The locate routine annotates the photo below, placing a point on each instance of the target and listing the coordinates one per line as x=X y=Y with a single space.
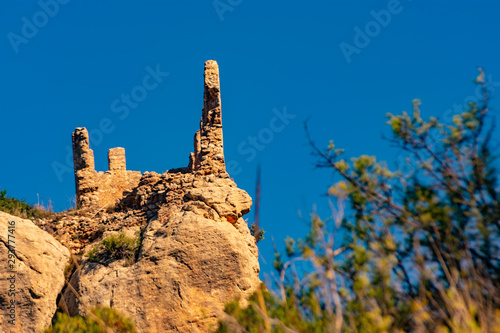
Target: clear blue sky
x=68 y=65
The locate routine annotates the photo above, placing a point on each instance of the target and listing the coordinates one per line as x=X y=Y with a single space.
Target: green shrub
x=257 y=232
x=100 y=320
x=15 y=206
x=22 y=208
x=116 y=246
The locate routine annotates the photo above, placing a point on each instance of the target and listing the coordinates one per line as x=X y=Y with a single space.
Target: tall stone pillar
x=83 y=160
x=209 y=149
x=83 y=156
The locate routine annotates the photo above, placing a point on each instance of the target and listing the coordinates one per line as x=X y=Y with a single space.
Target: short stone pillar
x=116 y=159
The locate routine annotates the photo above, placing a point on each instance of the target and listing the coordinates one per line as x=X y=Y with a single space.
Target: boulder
x=188 y=267
x=38 y=274
x=229 y=202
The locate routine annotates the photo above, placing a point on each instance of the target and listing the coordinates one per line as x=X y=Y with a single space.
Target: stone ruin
x=196 y=251
x=95 y=190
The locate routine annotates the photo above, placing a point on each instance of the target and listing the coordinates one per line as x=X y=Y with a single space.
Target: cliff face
x=196 y=255
x=189 y=265
x=196 y=251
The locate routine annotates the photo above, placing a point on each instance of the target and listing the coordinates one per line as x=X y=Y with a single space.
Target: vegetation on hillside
x=22 y=208
x=116 y=246
x=99 y=320
x=416 y=249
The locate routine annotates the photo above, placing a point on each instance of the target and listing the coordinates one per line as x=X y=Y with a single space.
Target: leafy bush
x=416 y=250
x=99 y=320
x=257 y=232
x=116 y=246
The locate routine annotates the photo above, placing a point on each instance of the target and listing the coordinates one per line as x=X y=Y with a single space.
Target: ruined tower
x=83 y=160
x=208 y=157
x=100 y=189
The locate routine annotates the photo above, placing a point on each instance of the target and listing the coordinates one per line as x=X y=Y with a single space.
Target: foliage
x=417 y=249
x=99 y=320
x=14 y=206
x=21 y=208
x=116 y=246
x=257 y=232
x=267 y=313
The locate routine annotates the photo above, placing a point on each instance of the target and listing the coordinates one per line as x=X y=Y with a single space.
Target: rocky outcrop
x=197 y=252
x=189 y=266
x=37 y=275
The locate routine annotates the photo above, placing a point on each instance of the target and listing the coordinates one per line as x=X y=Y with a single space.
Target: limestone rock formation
x=188 y=268
x=40 y=261
x=197 y=252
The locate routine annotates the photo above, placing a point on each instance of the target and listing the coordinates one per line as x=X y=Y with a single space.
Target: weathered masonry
x=99 y=189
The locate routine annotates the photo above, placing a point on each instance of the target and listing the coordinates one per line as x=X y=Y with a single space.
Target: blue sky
x=341 y=64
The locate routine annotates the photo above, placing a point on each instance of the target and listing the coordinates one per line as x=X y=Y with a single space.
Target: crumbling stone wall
x=99 y=189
